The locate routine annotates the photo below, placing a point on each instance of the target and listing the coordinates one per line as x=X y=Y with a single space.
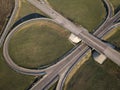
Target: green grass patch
x=88 y=13
x=39 y=44
x=11 y=80
x=93 y=76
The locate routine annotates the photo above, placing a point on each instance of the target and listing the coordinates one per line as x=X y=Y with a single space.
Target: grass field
x=39 y=44
x=5 y=10
x=92 y=76
x=11 y=80
x=88 y=13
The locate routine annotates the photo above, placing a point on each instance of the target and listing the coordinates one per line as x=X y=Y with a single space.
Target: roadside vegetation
x=11 y=80
x=88 y=13
x=38 y=44
x=5 y=11
x=92 y=76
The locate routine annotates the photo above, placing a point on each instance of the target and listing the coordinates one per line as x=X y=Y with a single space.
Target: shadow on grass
x=34 y=82
x=28 y=17
x=117 y=9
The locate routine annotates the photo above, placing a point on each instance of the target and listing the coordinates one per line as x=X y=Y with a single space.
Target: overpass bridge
x=81 y=32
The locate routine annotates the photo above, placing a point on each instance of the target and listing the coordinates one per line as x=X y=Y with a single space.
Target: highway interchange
x=80 y=31
x=60 y=70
